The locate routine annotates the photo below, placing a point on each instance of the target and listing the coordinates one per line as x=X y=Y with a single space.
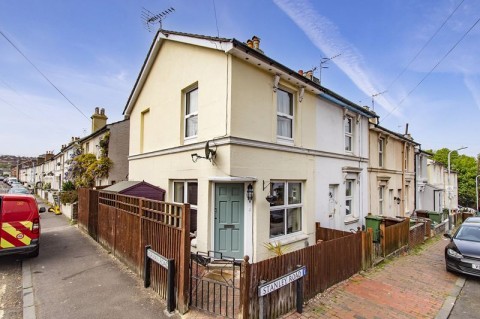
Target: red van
x=19 y=225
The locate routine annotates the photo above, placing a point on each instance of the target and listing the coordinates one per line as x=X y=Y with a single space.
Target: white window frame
x=381 y=152
x=189 y=115
x=350 y=197
x=185 y=193
x=348 y=133
x=291 y=117
x=381 y=200
x=286 y=206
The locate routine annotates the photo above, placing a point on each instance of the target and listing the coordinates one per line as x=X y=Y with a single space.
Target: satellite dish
x=209 y=153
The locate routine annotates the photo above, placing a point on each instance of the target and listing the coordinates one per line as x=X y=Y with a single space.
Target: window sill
x=285 y=240
x=285 y=140
x=189 y=140
x=351 y=220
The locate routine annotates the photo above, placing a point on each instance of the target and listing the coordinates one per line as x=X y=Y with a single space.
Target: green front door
x=229 y=219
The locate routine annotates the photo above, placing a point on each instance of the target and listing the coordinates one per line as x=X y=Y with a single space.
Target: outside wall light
x=250 y=192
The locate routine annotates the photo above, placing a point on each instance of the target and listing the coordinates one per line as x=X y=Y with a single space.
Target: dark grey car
x=462 y=254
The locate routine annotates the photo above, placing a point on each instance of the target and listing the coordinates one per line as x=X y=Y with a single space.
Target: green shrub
x=68 y=186
x=68 y=197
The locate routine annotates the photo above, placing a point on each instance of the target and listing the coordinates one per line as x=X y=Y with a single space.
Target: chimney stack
x=99 y=119
x=250 y=43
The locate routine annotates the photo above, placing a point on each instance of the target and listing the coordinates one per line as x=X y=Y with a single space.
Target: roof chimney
x=99 y=119
x=256 y=43
x=250 y=43
x=300 y=72
x=310 y=75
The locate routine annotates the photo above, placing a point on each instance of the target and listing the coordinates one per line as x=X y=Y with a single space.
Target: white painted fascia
x=227 y=179
x=206 y=43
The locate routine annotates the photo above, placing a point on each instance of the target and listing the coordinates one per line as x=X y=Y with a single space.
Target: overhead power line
x=434 y=67
x=424 y=46
x=43 y=75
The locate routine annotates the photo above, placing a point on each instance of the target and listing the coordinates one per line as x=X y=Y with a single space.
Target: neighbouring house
x=435 y=187
x=424 y=197
x=261 y=152
x=109 y=141
x=451 y=190
x=391 y=172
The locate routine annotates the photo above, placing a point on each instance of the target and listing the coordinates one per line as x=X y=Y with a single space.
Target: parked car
x=10 y=180
x=19 y=225
x=19 y=190
x=462 y=254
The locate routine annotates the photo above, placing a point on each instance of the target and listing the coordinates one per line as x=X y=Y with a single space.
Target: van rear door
x=16 y=217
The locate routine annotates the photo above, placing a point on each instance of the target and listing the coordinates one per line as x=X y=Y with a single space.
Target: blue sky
x=93 y=50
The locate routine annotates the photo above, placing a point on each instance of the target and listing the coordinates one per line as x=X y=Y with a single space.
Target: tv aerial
x=149 y=18
x=322 y=62
x=373 y=98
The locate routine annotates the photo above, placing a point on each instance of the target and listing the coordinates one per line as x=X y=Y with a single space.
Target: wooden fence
x=336 y=257
x=394 y=237
x=125 y=225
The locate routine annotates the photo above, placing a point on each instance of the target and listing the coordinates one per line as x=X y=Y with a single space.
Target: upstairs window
x=348 y=134
x=191 y=113
x=284 y=114
x=381 y=145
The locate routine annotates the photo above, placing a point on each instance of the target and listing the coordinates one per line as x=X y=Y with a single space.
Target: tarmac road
x=10 y=288
x=467 y=305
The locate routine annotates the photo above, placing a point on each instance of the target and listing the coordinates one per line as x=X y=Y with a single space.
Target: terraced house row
x=260 y=151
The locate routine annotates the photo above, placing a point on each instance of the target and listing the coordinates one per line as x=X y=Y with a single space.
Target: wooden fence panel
x=368 y=249
x=106 y=227
x=396 y=237
x=127 y=233
x=93 y=213
x=328 y=262
x=83 y=208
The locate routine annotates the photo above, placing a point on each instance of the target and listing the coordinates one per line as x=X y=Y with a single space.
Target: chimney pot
x=96 y=110
x=300 y=72
x=102 y=111
x=256 y=42
x=250 y=43
x=310 y=75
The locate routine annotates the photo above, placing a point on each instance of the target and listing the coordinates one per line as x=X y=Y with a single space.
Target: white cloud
x=325 y=35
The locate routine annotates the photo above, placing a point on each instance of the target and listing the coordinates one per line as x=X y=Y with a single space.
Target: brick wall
x=417 y=235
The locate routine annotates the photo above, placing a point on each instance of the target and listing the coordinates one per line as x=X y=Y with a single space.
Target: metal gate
x=215 y=283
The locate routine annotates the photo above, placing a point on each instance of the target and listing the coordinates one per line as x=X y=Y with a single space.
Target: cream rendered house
x=391 y=172
x=436 y=173
x=220 y=125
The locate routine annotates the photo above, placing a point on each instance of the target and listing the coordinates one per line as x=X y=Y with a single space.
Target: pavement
x=415 y=285
x=73 y=277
